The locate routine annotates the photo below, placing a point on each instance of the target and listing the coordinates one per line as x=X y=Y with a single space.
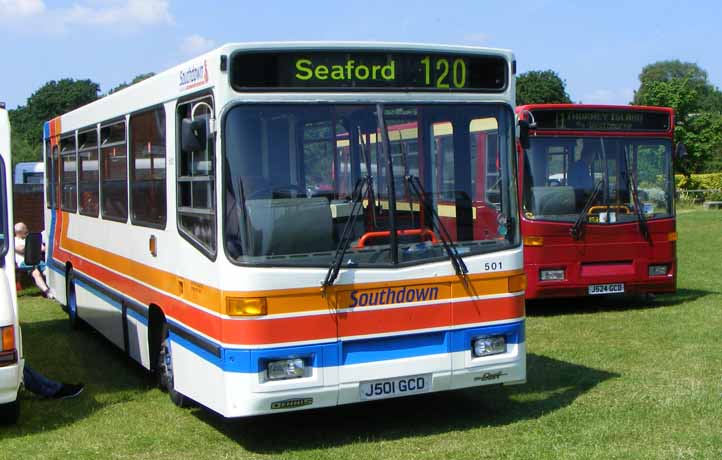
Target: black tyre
x=10 y=412
x=165 y=371
x=71 y=300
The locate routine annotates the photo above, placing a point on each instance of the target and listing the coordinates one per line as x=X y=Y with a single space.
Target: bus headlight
x=487 y=346
x=551 y=275
x=285 y=369
x=657 y=270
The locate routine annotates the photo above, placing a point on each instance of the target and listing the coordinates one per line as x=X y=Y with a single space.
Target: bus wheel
x=165 y=371
x=71 y=299
x=10 y=412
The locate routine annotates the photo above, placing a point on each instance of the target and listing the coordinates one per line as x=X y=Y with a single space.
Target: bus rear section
x=11 y=361
x=597 y=201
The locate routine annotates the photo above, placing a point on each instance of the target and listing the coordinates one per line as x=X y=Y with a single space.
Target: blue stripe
x=117 y=305
x=46 y=130
x=335 y=353
x=362 y=351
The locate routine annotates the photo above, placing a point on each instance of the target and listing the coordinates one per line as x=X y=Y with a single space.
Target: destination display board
x=601 y=120
x=367 y=71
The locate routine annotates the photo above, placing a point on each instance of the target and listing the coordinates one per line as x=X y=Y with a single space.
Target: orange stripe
x=279 y=301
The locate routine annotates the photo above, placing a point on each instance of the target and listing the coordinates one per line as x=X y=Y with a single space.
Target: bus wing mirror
x=33 y=249
x=681 y=150
x=194 y=134
x=524 y=134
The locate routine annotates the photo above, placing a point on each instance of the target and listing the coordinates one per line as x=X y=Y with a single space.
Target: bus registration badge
x=400 y=386
x=614 y=288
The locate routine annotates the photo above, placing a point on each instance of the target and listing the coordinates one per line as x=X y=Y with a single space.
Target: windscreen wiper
x=347 y=234
x=577 y=229
x=456 y=260
x=643 y=227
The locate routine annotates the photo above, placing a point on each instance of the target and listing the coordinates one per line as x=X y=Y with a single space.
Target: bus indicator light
x=672 y=236
x=517 y=283
x=246 y=306
x=533 y=241
x=8 y=338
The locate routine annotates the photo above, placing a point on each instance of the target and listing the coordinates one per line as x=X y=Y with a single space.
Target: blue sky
x=599 y=49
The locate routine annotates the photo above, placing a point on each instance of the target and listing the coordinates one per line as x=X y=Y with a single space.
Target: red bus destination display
x=601 y=120
x=371 y=71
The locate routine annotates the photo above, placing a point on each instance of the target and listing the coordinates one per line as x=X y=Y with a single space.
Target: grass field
x=607 y=379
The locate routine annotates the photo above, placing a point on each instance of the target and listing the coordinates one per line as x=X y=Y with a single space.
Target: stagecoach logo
x=292 y=403
x=193 y=76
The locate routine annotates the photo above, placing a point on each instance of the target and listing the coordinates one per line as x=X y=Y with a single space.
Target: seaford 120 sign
x=393 y=295
x=367 y=70
x=194 y=75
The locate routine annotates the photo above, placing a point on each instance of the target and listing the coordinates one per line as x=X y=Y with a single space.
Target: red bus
x=597 y=196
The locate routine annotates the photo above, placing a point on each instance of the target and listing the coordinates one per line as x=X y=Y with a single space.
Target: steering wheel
x=291 y=191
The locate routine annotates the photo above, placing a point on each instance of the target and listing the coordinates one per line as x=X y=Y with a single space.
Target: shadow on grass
x=552 y=385
x=58 y=352
x=598 y=304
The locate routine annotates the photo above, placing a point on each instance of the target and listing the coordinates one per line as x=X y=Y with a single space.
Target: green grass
x=609 y=378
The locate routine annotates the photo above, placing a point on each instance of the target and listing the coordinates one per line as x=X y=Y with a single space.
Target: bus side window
x=69 y=186
x=49 y=180
x=88 y=172
x=114 y=176
x=147 y=168
x=196 y=188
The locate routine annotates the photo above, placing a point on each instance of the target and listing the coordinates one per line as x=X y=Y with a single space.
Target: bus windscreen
x=370 y=71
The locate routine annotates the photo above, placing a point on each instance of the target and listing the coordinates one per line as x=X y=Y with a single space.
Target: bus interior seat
x=553 y=200
x=290 y=226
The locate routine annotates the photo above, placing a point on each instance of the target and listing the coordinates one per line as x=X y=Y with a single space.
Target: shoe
x=48 y=294
x=69 y=390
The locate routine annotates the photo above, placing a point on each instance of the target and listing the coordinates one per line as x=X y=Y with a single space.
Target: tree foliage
x=708 y=98
x=50 y=100
x=541 y=87
x=697 y=103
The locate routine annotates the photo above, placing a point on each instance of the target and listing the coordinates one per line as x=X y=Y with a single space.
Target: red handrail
x=422 y=232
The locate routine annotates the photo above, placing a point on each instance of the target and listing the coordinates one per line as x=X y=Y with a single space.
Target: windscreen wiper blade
x=643 y=227
x=577 y=229
x=347 y=234
x=456 y=260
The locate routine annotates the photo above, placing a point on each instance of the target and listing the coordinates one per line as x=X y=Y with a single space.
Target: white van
x=11 y=350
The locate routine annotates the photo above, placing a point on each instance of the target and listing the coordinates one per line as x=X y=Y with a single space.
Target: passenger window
x=88 y=172
x=68 y=163
x=114 y=176
x=49 y=176
x=196 y=187
x=147 y=168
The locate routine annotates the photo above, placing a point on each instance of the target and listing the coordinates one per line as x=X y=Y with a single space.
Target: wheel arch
x=156 y=319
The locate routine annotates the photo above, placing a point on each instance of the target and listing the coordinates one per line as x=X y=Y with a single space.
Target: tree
x=541 y=87
x=698 y=109
x=708 y=98
x=52 y=99
x=135 y=80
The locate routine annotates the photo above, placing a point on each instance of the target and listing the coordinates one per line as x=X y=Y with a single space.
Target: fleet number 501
x=442 y=73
